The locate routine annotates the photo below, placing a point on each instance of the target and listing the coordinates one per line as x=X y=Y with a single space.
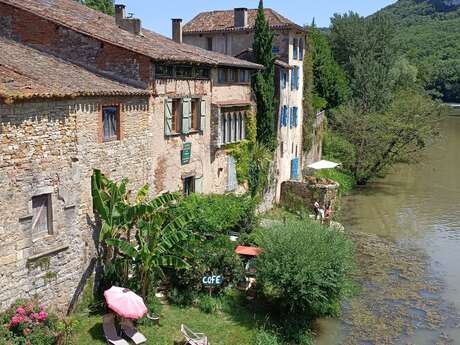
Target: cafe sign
x=186 y=153
x=212 y=280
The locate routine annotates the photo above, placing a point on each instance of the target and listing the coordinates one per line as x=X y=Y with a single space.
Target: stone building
x=232 y=32
x=81 y=90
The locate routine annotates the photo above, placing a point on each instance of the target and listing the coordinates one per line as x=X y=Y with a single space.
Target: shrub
x=337 y=148
x=25 y=322
x=264 y=337
x=214 y=256
x=305 y=267
x=209 y=305
x=219 y=214
x=346 y=181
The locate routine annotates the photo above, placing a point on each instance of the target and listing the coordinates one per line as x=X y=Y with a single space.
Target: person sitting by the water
x=316 y=209
x=328 y=214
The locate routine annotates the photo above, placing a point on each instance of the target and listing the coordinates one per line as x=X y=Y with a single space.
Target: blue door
x=295 y=169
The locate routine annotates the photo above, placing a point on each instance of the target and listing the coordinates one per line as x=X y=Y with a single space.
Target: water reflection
x=416 y=205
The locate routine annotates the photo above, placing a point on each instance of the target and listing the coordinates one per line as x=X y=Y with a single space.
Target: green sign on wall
x=186 y=153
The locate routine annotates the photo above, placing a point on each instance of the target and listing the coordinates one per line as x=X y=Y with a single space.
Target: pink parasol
x=125 y=302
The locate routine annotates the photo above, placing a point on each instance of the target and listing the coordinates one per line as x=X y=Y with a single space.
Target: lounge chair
x=192 y=337
x=110 y=332
x=131 y=332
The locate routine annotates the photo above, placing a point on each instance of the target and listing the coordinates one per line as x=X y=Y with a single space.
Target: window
x=42 y=216
x=209 y=43
x=283 y=79
x=296 y=150
x=221 y=75
x=275 y=50
x=295 y=46
x=232 y=127
x=202 y=72
x=295 y=78
x=282 y=149
x=184 y=72
x=301 y=48
x=284 y=116
x=189 y=185
x=184 y=115
x=232 y=75
x=294 y=117
x=164 y=71
x=244 y=76
x=111 y=123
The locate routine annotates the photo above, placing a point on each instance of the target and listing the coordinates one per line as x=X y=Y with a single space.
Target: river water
x=409 y=266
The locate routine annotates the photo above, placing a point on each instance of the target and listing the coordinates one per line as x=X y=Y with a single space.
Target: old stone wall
x=319 y=129
x=50 y=147
x=302 y=195
x=71 y=45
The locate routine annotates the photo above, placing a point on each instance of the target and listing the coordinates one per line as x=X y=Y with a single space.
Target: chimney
x=120 y=13
x=177 y=30
x=241 y=17
x=133 y=25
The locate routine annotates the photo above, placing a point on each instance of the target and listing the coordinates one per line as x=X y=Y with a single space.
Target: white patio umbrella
x=323 y=164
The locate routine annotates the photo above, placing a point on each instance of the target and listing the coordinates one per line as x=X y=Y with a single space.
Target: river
x=409 y=259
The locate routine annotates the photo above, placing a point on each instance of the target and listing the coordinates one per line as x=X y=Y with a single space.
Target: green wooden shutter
x=168 y=117
x=186 y=115
x=203 y=115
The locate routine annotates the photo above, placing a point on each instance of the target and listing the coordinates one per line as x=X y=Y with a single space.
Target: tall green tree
x=331 y=83
x=263 y=82
x=365 y=49
x=105 y=6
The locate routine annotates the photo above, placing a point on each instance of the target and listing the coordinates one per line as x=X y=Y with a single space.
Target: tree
x=364 y=47
x=382 y=139
x=331 y=83
x=158 y=233
x=105 y=6
x=264 y=81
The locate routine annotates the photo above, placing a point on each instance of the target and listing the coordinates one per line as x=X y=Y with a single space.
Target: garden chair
x=110 y=332
x=192 y=337
x=131 y=332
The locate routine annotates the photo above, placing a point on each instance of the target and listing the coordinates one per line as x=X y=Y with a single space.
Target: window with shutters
x=110 y=123
x=185 y=115
x=42 y=215
x=295 y=46
x=301 y=48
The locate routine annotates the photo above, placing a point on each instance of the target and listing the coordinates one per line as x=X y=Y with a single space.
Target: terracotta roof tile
x=28 y=73
x=71 y=14
x=224 y=21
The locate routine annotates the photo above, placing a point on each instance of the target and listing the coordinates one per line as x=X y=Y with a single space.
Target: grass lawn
x=221 y=329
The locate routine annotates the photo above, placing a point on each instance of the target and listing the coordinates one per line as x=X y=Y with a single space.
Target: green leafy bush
x=345 y=180
x=214 y=256
x=264 y=337
x=219 y=214
x=337 y=148
x=209 y=305
x=305 y=267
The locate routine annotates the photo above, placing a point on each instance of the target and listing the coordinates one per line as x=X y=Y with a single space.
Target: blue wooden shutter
x=186 y=115
x=285 y=116
x=295 y=169
x=168 y=117
x=291 y=118
x=203 y=115
x=293 y=78
x=296 y=116
x=232 y=181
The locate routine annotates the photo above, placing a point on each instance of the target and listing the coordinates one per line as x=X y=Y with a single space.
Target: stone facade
x=50 y=148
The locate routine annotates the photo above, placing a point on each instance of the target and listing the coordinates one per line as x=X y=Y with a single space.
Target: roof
x=27 y=73
x=248 y=54
x=80 y=18
x=218 y=21
x=248 y=251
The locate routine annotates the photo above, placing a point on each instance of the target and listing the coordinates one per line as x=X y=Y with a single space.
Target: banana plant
x=159 y=238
